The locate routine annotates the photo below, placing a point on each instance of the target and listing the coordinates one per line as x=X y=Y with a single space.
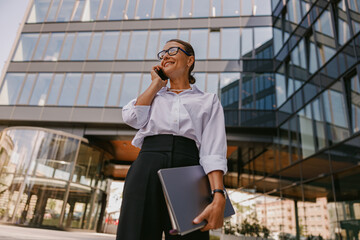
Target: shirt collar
x=193 y=90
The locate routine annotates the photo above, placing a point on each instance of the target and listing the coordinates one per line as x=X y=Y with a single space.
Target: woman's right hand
x=155 y=78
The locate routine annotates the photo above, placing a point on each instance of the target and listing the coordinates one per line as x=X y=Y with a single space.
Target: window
x=201 y=8
x=114 y=91
x=172 y=9
x=199 y=41
x=130 y=11
x=81 y=46
x=144 y=9
x=187 y=9
x=200 y=81
x=95 y=45
x=230 y=44
x=123 y=45
x=41 y=47
x=158 y=8
x=355 y=102
x=99 y=90
x=53 y=50
x=68 y=43
x=69 y=89
x=108 y=46
x=25 y=48
x=216 y=8
x=152 y=48
x=53 y=10
x=41 y=88
x=262 y=7
x=78 y=10
x=55 y=89
x=137 y=45
x=10 y=88
x=84 y=89
x=246 y=42
x=65 y=11
x=26 y=90
x=117 y=10
x=38 y=11
x=130 y=89
x=103 y=14
x=214 y=43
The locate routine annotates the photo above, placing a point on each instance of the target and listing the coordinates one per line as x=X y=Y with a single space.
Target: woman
x=178 y=126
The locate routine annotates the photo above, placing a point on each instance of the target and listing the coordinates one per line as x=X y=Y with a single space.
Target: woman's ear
x=191 y=60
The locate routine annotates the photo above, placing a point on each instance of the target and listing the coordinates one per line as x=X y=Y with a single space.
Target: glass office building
x=284 y=70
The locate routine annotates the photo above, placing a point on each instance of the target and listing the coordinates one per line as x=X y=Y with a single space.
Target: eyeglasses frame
x=167 y=51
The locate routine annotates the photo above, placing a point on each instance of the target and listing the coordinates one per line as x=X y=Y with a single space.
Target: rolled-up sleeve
x=135 y=116
x=213 y=147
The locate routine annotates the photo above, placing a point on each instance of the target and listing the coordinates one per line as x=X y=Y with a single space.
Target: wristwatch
x=222 y=191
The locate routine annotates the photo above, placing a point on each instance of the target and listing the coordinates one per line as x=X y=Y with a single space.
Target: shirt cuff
x=213 y=162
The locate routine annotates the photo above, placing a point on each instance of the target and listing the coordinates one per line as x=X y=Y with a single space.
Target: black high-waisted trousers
x=143 y=214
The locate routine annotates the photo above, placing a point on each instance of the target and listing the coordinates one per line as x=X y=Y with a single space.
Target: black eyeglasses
x=171 y=51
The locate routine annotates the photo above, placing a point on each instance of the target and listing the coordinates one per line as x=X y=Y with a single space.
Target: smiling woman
x=178 y=126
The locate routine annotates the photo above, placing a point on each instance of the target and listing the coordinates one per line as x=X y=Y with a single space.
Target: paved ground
x=9 y=232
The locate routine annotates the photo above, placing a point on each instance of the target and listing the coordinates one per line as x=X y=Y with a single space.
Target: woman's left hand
x=213 y=213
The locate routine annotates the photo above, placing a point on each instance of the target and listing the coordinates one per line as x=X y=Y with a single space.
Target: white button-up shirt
x=192 y=114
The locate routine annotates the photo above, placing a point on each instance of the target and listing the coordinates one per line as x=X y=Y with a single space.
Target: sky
x=11 y=14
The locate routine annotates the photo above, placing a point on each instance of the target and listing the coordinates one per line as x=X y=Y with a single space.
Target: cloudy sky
x=11 y=14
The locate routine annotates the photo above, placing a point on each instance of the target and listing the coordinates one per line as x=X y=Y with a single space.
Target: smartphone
x=161 y=74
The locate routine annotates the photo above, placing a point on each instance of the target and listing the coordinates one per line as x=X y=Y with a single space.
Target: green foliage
x=249 y=227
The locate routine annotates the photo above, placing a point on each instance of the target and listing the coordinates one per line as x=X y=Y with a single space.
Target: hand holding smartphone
x=161 y=74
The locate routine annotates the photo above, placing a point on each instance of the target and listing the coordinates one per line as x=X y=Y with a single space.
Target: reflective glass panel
x=41 y=88
x=355 y=102
x=214 y=43
x=313 y=65
x=117 y=10
x=81 y=46
x=306 y=132
x=130 y=89
x=130 y=11
x=216 y=8
x=108 y=46
x=68 y=43
x=38 y=11
x=26 y=91
x=262 y=7
x=324 y=24
x=262 y=36
x=79 y=8
x=144 y=9
x=231 y=8
x=201 y=8
x=103 y=15
x=184 y=35
x=294 y=14
x=230 y=44
x=152 y=48
x=137 y=45
x=158 y=8
x=92 y=9
x=10 y=88
x=200 y=81
x=99 y=90
x=187 y=8
x=114 y=91
x=41 y=47
x=247 y=93
x=53 y=10
x=95 y=45
x=25 y=47
x=65 y=11
x=319 y=124
x=172 y=9
x=344 y=31
x=84 y=89
x=53 y=50
x=55 y=89
x=335 y=117
x=146 y=81
x=246 y=7
x=246 y=42
x=165 y=36
x=69 y=89
x=278 y=43
x=123 y=45
x=199 y=41
x=280 y=89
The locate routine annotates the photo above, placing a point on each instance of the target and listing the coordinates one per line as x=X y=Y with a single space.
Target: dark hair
x=189 y=49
